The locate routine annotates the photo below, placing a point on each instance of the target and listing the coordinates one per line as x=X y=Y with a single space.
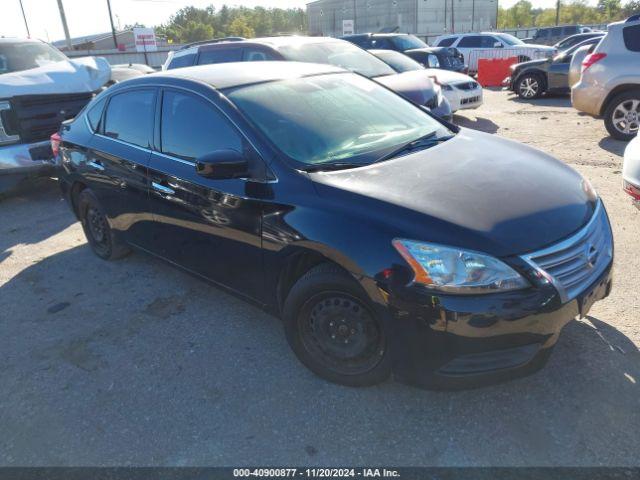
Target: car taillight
x=55 y=144
x=631 y=190
x=591 y=59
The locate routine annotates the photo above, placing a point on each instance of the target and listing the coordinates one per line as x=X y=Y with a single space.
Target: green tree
x=240 y=28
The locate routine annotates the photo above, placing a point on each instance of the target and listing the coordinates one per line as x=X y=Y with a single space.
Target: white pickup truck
x=39 y=89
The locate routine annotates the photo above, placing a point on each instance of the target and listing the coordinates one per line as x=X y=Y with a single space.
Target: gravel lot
x=137 y=363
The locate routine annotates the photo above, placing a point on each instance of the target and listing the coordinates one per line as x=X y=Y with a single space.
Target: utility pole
x=453 y=20
x=473 y=15
x=113 y=28
x=64 y=25
x=25 y=19
x=558 y=12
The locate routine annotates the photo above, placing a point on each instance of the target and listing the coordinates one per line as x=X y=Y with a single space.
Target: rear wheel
x=530 y=86
x=333 y=330
x=622 y=116
x=100 y=236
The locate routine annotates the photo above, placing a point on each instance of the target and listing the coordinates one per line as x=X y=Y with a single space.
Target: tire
x=100 y=236
x=530 y=86
x=622 y=115
x=331 y=327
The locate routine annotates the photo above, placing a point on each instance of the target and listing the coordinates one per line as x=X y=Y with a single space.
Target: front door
x=210 y=227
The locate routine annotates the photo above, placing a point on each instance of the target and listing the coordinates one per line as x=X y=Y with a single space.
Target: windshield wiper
x=426 y=141
x=333 y=166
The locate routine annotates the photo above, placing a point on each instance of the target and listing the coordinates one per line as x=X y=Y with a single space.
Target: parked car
x=575 y=68
x=412 y=85
x=576 y=39
x=610 y=81
x=39 y=88
x=379 y=233
x=461 y=91
x=492 y=42
x=444 y=58
x=553 y=35
x=631 y=170
x=400 y=42
x=536 y=77
x=120 y=73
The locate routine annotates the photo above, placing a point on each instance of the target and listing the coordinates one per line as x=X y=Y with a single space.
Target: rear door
x=210 y=227
x=118 y=160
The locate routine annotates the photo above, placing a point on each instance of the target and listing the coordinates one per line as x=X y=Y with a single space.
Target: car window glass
x=382 y=43
x=632 y=38
x=191 y=127
x=181 y=61
x=543 y=33
x=94 y=114
x=556 y=32
x=490 y=42
x=257 y=55
x=447 y=42
x=129 y=117
x=220 y=55
x=473 y=41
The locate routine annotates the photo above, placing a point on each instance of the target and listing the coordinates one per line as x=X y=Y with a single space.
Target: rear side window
x=192 y=127
x=220 y=55
x=94 y=115
x=632 y=38
x=182 y=61
x=447 y=42
x=129 y=117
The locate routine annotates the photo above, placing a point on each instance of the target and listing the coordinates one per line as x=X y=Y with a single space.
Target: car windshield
x=19 y=56
x=509 y=39
x=398 y=61
x=336 y=117
x=341 y=53
x=408 y=42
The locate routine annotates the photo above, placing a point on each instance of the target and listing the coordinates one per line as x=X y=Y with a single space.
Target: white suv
x=610 y=82
x=492 y=42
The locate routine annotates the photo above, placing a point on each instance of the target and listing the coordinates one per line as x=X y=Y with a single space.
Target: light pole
x=558 y=12
x=64 y=25
x=25 y=19
x=113 y=28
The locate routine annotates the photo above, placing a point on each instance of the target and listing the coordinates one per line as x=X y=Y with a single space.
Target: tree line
x=572 y=12
x=191 y=24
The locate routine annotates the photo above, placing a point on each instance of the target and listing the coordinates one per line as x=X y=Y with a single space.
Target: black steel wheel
x=333 y=330
x=96 y=228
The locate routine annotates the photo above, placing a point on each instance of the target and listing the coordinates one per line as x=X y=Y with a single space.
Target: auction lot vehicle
x=576 y=39
x=461 y=91
x=444 y=58
x=536 y=77
x=412 y=85
x=389 y=241
x=39 y=89
x=610 y=83
x=553 y=35
x=492 y=43
x=631 y=171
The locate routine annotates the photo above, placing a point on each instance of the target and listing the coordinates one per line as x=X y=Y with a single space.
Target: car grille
x=467 y=101
x=36 y=117
x=467 y=85
x=574 y=264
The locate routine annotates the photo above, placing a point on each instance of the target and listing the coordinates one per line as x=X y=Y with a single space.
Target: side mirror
x=222 y=165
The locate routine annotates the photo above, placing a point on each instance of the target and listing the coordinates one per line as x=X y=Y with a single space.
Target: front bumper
x=452 y=342
x=464 y=99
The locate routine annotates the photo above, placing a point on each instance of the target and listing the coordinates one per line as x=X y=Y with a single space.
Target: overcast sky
x=86 y=17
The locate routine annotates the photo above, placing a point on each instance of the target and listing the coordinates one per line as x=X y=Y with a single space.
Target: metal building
x=425 y=18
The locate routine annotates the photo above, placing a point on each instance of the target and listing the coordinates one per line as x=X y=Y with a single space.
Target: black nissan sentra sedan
x=387 y=240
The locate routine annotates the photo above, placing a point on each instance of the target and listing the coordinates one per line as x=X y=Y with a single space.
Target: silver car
x=610 y=81
x=631 y=171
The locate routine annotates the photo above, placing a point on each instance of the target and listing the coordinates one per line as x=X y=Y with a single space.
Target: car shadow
x=476 y=123
x=611 y=145
x=142 y=348
x=548 y=100
x=18 y=225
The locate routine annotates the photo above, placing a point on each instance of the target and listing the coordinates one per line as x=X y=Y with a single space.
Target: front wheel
x=530 y=86
x=622 y=115
x=333 y=330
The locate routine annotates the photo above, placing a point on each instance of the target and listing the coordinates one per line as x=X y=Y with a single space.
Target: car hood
x=448 y=76
x=79 y=75
x=416 y=86
x=474 y=191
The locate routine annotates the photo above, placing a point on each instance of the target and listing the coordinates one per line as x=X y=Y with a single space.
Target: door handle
x=162 y=189
x=97 y=165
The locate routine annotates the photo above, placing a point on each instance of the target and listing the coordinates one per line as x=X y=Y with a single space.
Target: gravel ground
x=137 y=363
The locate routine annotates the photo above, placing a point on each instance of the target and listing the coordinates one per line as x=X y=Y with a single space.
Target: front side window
x=408 y=42
x=129 y=117
x=329 y=118
x=447 y=42
x=20 y=56
x=192 y=127
x=473 y=41
x=220 y=55
x=632 y=38
x=341 y=54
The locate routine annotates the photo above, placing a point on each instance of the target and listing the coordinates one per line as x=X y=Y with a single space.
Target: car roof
x=228 y=75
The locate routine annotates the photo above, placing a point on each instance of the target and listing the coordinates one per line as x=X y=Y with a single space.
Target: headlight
x=454 y=270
